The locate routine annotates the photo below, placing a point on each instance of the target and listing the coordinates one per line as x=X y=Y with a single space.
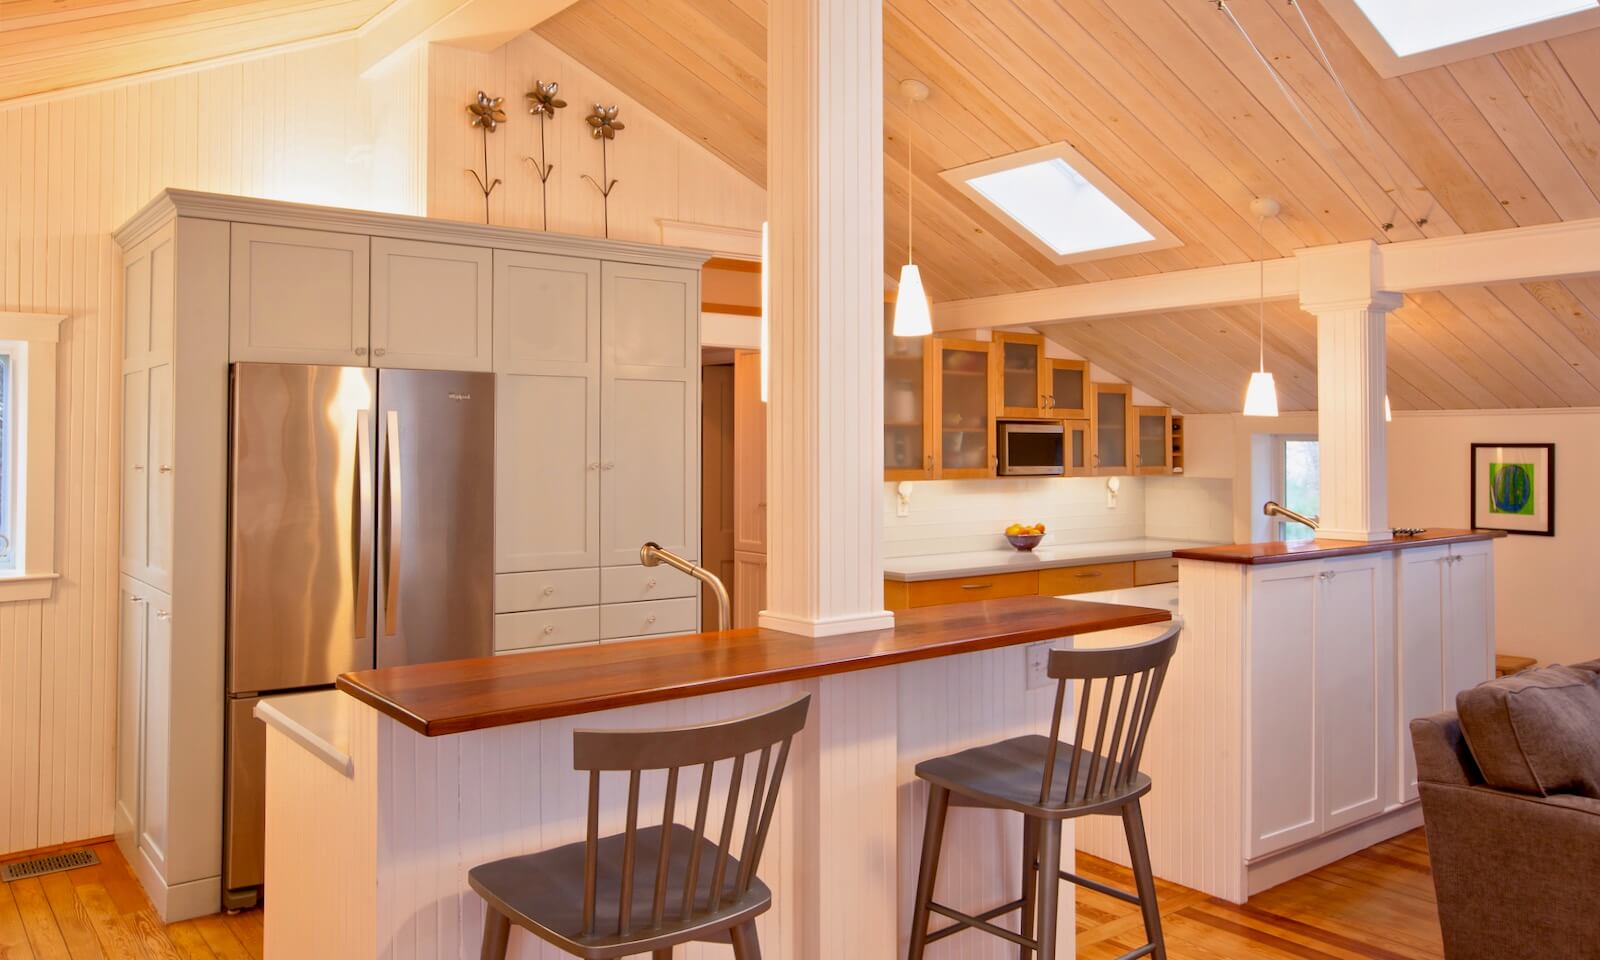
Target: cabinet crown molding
x=170 y=203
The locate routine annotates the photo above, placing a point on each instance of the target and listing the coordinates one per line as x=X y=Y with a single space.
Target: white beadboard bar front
x=374 y=864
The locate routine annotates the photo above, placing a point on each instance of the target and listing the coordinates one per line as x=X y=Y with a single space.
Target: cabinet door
x=908 y=414
x=148 y=301
x=1282 y=770
x=750 y=588
x=135 y=471
x=547 y=412
x=156 y=731
x=1112 y=429
x=1355 y=647
x=130 y=705
x=1023 y=377
x=965 y=405
x=160 y=519
x=298 y=296
x=1077 y=449
x=650 y=397
x=1423 y=588
x=749 y=456
x=1469 y=629
x=1067 y=395
x=431 y=305
x=1153 y=440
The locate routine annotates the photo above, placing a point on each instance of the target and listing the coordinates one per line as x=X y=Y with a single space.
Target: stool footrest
x=1099 y=887
x=1143 y=951
x=980 y=922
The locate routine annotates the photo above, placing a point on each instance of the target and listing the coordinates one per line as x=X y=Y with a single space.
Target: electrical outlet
x=1039 y=664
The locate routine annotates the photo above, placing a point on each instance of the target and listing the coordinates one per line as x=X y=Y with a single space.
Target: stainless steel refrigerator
x=360 y=534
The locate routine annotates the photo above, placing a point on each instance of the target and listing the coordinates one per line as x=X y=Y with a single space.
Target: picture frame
x=1514 y=488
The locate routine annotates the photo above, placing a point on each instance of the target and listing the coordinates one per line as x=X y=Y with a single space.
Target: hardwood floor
x=1375 y=905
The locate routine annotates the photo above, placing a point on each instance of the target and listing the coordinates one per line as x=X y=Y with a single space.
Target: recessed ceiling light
x=1061 y=204
x=1417 y=26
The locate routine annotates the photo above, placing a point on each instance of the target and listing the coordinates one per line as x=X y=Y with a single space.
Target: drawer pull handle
x=165 y=468
x=163 y=615
x=976 y=586
x=1083 y=574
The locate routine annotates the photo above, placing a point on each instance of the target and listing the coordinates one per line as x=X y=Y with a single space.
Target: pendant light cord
x=911 y=181
x=1261 y=294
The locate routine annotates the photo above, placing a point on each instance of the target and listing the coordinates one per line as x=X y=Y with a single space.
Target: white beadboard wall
x=72 y=169
x=662 y=174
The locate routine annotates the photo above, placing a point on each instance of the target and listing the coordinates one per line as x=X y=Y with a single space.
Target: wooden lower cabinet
x=1088 y=578
x=1052 y=582
x=1147 y=572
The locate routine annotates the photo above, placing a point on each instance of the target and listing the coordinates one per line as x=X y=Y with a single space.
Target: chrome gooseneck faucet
x=651 y=554
x=1273 y=508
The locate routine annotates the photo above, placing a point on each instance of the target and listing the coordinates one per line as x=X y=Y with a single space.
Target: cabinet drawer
x=631 y=584
x=1146 y=572
x=546 y=628
x=642 y=619
x=546 y=590
x=932 y=593
x=1085 y=579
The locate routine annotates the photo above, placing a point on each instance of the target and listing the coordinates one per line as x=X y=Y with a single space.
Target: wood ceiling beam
x=473 y=24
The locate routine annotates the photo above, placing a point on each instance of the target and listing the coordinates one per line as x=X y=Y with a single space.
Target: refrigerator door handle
x=364 y=523
x=396 y=523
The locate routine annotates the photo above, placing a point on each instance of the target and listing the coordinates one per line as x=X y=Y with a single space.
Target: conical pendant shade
x=1261 y=397
x=912 y=315
x=1388 y=411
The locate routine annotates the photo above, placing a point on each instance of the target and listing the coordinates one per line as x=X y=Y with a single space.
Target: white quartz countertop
x=318 y=721
x=1044 y=556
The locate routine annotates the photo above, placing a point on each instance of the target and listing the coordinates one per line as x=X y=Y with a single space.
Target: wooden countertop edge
x=464 y=723
x=1253 y=554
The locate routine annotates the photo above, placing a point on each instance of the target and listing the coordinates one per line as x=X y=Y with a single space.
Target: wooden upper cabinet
x=1112 y=431
x=1022 y=375
x=431 y=305
x=965 y=401
x=1153 y=440
x=298 y=296
x=908 y=413
x=1078 y=453
x=1067 y=391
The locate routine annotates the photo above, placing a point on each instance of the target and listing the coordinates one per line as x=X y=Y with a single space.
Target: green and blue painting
x=1511 y=488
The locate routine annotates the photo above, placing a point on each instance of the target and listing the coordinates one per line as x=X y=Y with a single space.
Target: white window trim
x=35 y=398
x=1390 y=64
x=1278 y=478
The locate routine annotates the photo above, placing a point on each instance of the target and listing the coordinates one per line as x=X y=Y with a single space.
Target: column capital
x=1342 y=277
x=1381 y=301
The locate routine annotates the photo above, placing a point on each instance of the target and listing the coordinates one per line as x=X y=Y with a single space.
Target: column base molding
x=828 y=627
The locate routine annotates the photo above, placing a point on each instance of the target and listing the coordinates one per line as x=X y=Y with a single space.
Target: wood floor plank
x=13 y=936
x=71 y=917
x=220 y=938
x=116 y=939
x=43 y=934
x=188 y=942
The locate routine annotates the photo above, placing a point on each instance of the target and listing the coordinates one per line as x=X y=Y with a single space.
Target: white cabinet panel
x=652 y=617
x=130 y=705
x=160 y=521
x=156 y=730
x=135 y=470
x=750 y=588
x=1423 y=594
x=298 y=296
x=1469 y=634
x=546 y=590
x=547 y=311
x=546 y=628
x=431 y=305
x=631 y=584
x=1354 y=650
x=1282 y=762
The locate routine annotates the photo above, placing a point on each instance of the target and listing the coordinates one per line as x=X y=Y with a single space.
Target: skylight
x=1059 y=202
x=1417 y=26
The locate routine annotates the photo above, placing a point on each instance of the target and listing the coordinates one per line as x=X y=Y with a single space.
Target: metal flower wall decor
x=543 y=103
x=603 y=126
x=486 y=115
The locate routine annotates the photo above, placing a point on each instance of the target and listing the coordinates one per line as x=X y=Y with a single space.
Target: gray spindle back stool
x=648 y=889
x=1049 y=782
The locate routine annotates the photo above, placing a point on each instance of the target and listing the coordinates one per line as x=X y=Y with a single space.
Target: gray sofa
x=1510 y=787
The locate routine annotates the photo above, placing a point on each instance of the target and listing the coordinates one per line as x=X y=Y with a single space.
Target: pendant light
x=1261 y=397
x=766 y=334
x=913 y=315
x=1388 y=411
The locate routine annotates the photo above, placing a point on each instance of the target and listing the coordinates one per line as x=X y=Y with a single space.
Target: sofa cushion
x=1536 y=732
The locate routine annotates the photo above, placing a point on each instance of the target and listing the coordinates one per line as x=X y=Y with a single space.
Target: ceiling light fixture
x=1261 y=397
x=913 y=314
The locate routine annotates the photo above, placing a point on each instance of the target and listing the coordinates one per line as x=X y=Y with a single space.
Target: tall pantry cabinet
x=596 y=349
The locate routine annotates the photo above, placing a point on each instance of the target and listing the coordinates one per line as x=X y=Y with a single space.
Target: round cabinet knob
x=650 y=584
x=650 y=619
x=608 y=465
x=594 y=466
x=379 y=352
x=549 y=591
x=549 y=629
x=361 y=351
x=163 y=615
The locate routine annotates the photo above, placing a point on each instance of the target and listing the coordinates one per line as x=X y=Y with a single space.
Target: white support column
x=1338 y=285
x=825 y=263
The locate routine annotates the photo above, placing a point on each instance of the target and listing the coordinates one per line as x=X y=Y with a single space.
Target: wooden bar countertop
x=436 y=699
x=1288 y=551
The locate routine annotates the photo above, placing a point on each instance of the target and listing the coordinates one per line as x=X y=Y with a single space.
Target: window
x=1402 y=36
x=1297 y=474
x=27 y=454
x=1059 y=202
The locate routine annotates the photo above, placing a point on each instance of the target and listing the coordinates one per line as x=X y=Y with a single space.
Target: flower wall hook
x=603 y=126
x=543 y=103
x=486 y=115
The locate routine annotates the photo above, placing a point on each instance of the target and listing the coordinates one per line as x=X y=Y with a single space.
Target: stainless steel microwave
x=1032 y=448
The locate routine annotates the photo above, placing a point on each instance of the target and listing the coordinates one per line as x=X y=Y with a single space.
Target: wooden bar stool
x=1022 y=774
x=648 y=889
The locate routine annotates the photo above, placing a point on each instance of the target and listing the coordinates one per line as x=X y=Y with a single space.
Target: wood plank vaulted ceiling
x=1166 y=99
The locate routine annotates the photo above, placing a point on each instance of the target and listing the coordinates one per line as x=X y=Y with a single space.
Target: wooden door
x=1077 y=450
x=1152 y=440
x=650 y=396
x=1112 y=429
x=547 y=412
x=432 y=305
x=1282 y=772
x=908 y=413
x=130 y=707
x=136 y=471
x=1423 y=592
x=155 y=726
x=717 y=485
x=1067 y=394
x=749 y=587
x=964 y=401
x=298 y=296
x=1355 y=651
x=1022 y=376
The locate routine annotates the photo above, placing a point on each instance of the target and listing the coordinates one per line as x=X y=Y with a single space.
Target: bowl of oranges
x=1025 y=536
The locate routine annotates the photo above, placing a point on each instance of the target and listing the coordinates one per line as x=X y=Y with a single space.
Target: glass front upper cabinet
x=1023 y=376
x=908 y=413
x=1154 y=444
x=966 y=409
x=1079 y=454
x=1067 y=395
x=1112 y=430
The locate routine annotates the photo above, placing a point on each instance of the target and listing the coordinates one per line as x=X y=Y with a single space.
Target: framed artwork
x=1514 y=488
